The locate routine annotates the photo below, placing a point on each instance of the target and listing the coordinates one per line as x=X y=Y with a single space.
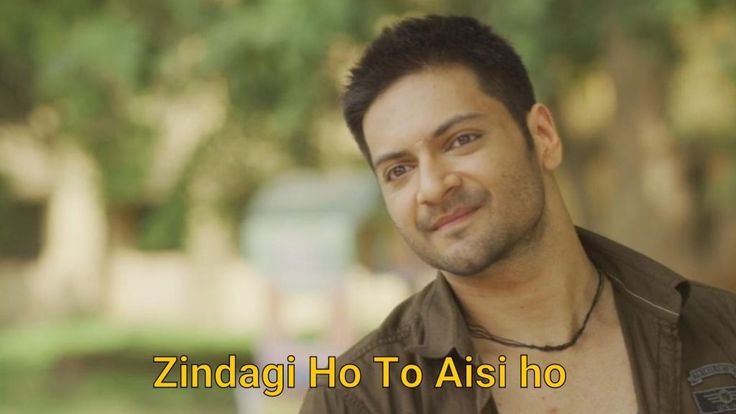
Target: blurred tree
x=642 y=176
x=103 y=65
x=95 y=62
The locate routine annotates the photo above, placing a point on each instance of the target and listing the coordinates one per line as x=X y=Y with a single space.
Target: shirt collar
x=441 y=325
x=442 y=328
x=656 y=287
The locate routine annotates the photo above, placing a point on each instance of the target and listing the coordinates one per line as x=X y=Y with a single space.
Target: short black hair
x=418 y=43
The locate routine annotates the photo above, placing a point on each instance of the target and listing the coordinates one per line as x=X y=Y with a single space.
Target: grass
x=87 y=366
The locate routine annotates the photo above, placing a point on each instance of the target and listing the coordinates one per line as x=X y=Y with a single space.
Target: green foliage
x=162 y=227
x=90 y=72
x=273 y=54
x=20 y=226
x=93 y=59
x=91 y=366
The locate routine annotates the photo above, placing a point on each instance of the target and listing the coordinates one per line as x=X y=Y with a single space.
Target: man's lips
x=456 y=215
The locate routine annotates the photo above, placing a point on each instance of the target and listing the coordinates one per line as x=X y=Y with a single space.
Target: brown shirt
x=680 y=337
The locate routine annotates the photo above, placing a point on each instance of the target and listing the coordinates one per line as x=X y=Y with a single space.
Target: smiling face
x=457 y=176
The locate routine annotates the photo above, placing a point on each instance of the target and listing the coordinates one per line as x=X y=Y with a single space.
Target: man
x=444 y=112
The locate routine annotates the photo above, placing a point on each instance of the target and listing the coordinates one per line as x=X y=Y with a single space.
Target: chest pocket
x=713 y=388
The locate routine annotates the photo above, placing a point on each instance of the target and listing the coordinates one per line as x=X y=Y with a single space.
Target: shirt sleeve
x=322 y=400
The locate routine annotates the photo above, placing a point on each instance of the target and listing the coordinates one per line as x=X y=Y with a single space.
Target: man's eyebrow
x=452 y=121
x=441 y=129
x=388 y=157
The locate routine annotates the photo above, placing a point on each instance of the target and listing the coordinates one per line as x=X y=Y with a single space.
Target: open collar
x=657 y=288
x=440 y=327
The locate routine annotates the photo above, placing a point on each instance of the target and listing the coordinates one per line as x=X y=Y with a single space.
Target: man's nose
x=435 y=182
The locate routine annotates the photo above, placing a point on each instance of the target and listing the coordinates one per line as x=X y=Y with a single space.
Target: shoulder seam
x=718 y=290
x=641 y=298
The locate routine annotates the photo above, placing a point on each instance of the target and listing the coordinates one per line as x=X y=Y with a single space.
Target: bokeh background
x=175 y=177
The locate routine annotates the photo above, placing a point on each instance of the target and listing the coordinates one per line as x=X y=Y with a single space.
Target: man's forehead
x=428 y=87
x=414 y=107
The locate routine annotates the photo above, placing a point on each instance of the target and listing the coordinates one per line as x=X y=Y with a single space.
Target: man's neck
x=538 y=295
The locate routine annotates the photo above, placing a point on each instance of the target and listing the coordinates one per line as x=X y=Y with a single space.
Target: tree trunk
x=650 y=205
x=70 y=270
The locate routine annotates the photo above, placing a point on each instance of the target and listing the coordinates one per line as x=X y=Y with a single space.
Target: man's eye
x=464 y=139
x=396 y=172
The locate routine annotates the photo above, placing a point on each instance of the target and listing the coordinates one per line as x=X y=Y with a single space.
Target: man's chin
x=464 y=268
x=461 y=264
x=462 y=257
x=467 y=259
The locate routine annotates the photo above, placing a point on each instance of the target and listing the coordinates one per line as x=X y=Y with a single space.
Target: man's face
x=455 y=171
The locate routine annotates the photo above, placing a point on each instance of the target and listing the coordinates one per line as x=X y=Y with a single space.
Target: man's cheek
x=400 y=209
x=395 y=215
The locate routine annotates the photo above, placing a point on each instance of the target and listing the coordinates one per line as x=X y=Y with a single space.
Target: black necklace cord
x=480 y=332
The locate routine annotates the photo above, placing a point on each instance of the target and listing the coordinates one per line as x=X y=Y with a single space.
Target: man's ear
x=547 y=141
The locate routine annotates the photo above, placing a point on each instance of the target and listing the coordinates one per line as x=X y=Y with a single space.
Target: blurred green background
x=136 y=135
